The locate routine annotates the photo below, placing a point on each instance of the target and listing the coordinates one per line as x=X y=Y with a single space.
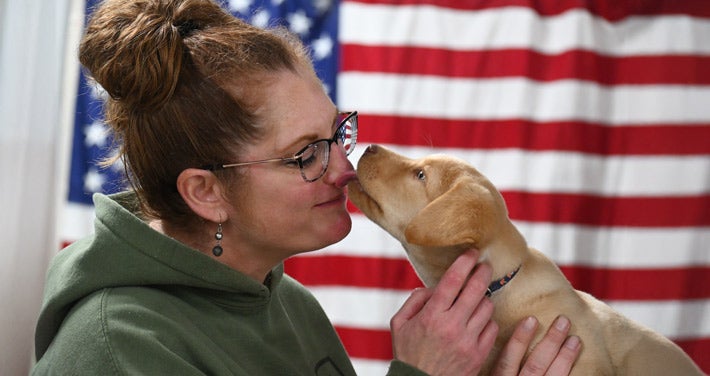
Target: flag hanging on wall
x=592 y=118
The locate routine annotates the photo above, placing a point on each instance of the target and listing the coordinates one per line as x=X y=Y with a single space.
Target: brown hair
x=166 y=65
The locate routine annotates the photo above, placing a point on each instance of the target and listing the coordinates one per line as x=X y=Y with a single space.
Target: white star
x=93 y=181
x=322 y=6
x=117 y=165
x=326 y=88
x=97 y=91
x=277 y=2
x=241 y=6
x=299 y=22
x=95 y=134
x=322 y=47
x=261 y=18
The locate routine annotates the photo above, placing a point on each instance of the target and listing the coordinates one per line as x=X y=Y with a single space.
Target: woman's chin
x=337 y=229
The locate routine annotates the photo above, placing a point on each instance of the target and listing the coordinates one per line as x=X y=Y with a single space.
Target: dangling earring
x=217 y=250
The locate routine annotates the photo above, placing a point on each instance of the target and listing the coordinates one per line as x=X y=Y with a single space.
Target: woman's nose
x=340 y=171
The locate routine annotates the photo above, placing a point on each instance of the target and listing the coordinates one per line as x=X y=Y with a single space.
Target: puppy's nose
x=372 y=149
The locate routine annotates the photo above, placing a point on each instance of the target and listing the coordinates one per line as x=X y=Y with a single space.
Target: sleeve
x=399 y=368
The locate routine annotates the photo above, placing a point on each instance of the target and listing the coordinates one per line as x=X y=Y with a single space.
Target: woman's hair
x=183 y=79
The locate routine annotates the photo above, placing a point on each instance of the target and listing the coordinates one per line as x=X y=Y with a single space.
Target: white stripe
x=359 y=307
x=602 y=247
x=520 y=27
x=368 y=367
x=372 y=309
x=366 y=239
x=672 y=319
x=517 y=97
x=565 y=172
x=77 y=221
x=620 y=247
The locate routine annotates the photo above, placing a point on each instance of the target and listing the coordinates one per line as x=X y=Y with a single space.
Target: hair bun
x=185 y=29
x=133 y=50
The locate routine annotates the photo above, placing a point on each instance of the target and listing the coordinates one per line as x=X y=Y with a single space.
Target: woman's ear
x=202 y=192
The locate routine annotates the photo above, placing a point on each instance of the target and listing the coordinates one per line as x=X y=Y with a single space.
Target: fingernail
x=562 y=323
x=529 y=324
x=572 y=342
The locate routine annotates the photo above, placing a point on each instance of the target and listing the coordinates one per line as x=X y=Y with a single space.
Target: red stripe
x=376 y=344
x=599 y=139
x=578 y=65
x=366 y=272
x=582 y=209
x=612 y=10
x=366 y=343
x=684 y=211
x=698 y=349
x=641 y=284
x=605 y=284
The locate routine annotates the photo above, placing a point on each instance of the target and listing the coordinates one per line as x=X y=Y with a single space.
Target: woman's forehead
x=296 y=111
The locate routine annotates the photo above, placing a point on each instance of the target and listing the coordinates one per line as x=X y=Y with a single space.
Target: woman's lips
x=341 y=183
x=337 y=200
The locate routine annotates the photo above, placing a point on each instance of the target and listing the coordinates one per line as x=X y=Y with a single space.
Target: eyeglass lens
x=314 y=158
x=347 y=133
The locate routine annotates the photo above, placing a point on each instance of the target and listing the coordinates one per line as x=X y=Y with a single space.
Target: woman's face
x=275 y=212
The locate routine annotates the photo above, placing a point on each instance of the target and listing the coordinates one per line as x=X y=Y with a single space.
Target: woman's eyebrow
x=307 y=139
x=298 y=144
x=335 y=120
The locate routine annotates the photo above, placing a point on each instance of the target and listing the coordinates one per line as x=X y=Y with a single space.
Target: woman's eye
x=421 y=175
x=309 y=155
x=291 y=163
x=308 y=161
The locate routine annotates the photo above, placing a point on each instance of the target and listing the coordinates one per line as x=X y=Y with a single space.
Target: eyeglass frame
x=298 y=156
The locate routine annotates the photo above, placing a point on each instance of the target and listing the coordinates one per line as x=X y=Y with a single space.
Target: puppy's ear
x=456 y=217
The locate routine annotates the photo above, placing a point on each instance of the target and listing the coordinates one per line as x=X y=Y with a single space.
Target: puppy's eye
x=421 y=175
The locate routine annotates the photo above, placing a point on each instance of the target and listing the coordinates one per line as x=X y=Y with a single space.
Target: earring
x=217 y=250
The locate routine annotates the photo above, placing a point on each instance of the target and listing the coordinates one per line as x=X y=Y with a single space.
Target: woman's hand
x=555 y=354
x=448 y=330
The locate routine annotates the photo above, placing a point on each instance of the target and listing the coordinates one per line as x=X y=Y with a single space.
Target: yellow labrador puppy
x=439 y=206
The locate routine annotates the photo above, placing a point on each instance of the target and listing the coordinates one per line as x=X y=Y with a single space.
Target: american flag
x=592 y=118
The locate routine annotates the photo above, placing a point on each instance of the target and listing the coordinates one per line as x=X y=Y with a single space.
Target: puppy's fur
x=439 y=206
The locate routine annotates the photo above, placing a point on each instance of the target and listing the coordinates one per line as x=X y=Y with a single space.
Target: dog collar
x=497 y=285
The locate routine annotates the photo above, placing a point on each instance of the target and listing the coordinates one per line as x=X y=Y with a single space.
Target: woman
x=238 y=161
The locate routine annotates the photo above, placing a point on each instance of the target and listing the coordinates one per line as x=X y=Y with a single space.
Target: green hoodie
x=130 y=301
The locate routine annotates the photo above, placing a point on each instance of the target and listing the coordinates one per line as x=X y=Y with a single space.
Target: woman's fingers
x=448 y=330
x=554 y=355
x=510 y=358
x=546 y=352
x=472 y=301
x=411 y=307
x=565 y=358
x=449 y=287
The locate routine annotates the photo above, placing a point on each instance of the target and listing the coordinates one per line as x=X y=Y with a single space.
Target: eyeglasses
x=313 y=159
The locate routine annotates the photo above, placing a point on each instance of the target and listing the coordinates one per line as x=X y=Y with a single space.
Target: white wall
x=37 y=90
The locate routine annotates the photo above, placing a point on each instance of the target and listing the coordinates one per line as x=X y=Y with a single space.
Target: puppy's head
x=436 y=201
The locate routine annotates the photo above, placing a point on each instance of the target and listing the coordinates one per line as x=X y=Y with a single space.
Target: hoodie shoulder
x=121 y=331
x=81 y=347
x=125 y=251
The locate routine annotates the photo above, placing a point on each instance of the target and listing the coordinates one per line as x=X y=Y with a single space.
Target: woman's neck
x=252 y=264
